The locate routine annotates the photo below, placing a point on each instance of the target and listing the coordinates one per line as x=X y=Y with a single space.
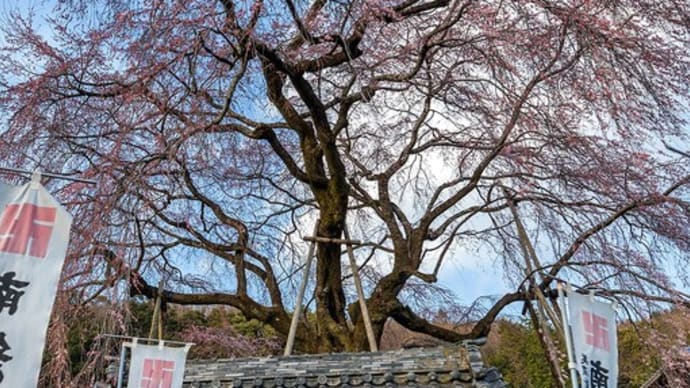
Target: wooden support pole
x=160 y=318
x=157 y=319
x=532 y=263
x=154 y=318
x=360 y=295
x=538 y=315
x=332 y=240
x=300 y=295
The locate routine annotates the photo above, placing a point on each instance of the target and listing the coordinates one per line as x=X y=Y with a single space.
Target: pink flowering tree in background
x=220 y=131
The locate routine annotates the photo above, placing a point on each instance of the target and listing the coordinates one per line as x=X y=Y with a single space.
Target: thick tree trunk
x=331 y=323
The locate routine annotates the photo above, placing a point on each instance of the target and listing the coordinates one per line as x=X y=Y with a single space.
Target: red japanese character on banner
x=26 y=227
x=596 y=330
x=157 y=373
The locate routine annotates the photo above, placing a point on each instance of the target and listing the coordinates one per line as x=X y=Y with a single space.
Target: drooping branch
x=273 y=316
x=406 y=317
x=613 y=217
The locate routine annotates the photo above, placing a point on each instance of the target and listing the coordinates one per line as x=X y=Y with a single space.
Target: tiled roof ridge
x=441 y=366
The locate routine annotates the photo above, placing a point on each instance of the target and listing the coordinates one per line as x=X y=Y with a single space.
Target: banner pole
x=50 y=175
x=121 y=369
x=568 y=340
x=147 y=340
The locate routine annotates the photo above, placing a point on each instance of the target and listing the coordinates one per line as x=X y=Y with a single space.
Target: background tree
x=220 y=130
x=517 y=353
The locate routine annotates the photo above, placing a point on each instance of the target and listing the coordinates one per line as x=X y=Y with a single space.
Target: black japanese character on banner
x=9 y=292
x=599 y=376
x=3 y=348
x=585 y=372
x=3 y=357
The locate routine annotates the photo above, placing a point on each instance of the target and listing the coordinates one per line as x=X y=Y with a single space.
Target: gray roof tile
x=448 y=366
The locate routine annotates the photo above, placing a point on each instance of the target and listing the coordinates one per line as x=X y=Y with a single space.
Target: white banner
x=34 y=232
x=156 y=366
x=595 y=343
